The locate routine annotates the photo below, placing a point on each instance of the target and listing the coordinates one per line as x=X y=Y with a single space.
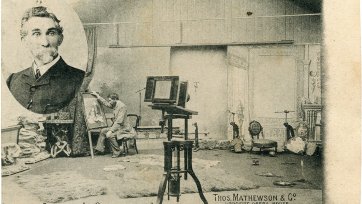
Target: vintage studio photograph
x=162 y=101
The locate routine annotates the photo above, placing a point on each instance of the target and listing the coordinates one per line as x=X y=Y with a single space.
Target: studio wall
x=205 y=69
x=169 y=22
x=159 y=37
x=266 y=80
x=124 y=71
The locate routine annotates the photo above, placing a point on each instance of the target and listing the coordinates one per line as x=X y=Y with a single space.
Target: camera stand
x=172 y=173
x=286 y=122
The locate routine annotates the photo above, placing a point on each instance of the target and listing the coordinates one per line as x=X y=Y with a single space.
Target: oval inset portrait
x=44 y=53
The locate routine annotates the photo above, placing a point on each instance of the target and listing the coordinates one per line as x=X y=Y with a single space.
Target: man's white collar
x=43 y=69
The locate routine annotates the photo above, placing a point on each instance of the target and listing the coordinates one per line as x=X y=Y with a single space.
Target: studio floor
x=285 y=167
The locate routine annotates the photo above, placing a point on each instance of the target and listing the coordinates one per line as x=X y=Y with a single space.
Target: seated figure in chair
x=120 y=124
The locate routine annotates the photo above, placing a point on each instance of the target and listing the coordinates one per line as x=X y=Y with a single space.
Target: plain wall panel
x=207 y=66
x=124 y=71
x=169 y=22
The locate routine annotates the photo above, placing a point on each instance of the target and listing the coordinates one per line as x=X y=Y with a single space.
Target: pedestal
x=172 y=174
x=311 y=112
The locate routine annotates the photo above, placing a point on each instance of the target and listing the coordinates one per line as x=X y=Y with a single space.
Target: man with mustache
x=120 y=124
x=49 y=84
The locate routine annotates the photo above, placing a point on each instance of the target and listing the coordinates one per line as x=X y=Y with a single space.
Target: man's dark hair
x=39 y=11
x=113 y=96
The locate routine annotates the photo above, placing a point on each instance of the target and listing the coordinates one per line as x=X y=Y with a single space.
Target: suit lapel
x=55 y=71
x=28 y=76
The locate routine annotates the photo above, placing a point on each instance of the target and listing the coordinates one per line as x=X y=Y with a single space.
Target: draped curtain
x=91 y=33
x=238 y=90
x=80 y=144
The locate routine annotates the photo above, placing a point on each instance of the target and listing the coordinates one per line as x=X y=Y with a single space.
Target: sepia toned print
x=179 y=102
x=49 y=84
x=95 y=117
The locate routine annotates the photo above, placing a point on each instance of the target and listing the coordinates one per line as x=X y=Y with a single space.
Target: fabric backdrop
x=80 y=146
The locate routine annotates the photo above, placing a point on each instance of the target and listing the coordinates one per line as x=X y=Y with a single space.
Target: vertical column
x=167 y=156
x=188 y=149
x=169 y=127
x=185 y=162
x=314 y=124
x=178 y=174
x=186 y=129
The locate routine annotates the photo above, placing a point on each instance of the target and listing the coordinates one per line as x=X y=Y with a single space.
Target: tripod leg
x=198 y=185
x=162 y=188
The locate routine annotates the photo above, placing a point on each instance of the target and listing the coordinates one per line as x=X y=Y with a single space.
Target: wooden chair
x=122 y=139
x=109 y=119
x=255 y=129
x=126 y=138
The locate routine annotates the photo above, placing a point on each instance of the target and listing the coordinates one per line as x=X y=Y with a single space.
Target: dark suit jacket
x=53 y=91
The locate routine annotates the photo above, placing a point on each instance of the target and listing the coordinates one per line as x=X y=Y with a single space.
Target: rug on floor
x=143 y=174
x=129 y=177
x=60 y=186
x=13 y=169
